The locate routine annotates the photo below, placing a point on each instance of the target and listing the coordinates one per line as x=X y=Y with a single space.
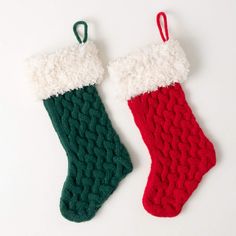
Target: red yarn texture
x=180 y=152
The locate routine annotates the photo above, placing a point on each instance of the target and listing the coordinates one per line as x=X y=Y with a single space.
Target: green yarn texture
x=97 y=160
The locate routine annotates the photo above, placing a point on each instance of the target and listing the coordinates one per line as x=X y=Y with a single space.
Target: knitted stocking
x=180 y=152
x=97 y=161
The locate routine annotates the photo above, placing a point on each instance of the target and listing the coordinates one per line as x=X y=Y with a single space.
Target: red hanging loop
x=165 y=35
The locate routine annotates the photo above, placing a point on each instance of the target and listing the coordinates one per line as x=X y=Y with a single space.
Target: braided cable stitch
x=97 y=161
x=181 y=154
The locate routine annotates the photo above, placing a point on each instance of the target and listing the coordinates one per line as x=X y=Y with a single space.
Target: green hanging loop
x=78 y=23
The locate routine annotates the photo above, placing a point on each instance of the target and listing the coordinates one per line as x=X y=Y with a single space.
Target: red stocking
x=180 y=152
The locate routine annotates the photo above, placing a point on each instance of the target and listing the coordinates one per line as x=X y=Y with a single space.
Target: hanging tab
x=76 y=32
x=165 y=35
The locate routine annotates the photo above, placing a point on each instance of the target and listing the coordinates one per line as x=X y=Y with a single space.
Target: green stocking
x=97 y=161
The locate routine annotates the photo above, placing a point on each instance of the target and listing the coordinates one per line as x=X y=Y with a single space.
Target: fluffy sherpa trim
x=157 y=65
x=66 y=69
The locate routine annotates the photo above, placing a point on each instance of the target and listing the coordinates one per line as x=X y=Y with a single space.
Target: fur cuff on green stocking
x=97 y=161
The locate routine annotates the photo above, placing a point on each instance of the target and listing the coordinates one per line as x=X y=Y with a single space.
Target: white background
x=33 y=164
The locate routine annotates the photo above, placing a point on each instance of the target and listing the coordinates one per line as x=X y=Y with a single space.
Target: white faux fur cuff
x=157 y=65
x=66 y=69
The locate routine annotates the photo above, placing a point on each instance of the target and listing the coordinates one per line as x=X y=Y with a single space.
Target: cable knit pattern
x=157 y=65
x=181 y=154
x=97 y=161
x=66 y=69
